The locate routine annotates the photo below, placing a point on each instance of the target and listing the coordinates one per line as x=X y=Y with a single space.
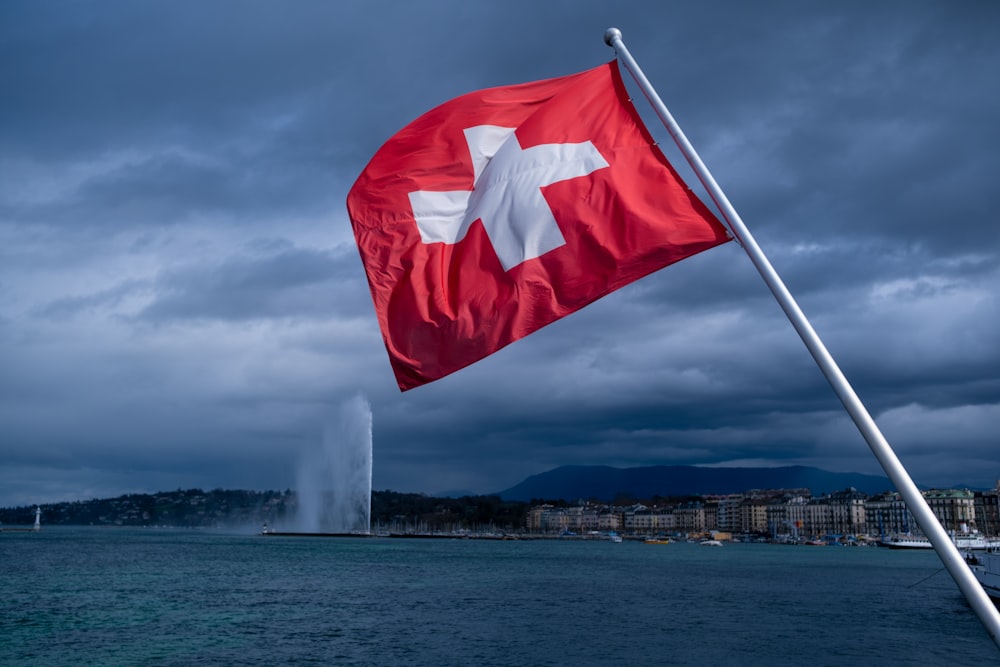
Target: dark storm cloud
x=279 y=282
x=117 y=73
x=182 y=304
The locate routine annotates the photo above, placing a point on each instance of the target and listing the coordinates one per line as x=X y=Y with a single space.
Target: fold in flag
x=506 y=209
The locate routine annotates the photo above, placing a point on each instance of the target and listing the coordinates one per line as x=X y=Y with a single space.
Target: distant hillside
x=605 y=483
x=248 y=510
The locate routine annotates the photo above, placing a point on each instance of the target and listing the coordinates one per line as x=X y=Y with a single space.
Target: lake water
x=98 y=596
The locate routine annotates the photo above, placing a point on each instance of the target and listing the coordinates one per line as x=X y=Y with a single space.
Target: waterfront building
x=886 y=514
x=753 y=515
x=549 y=519
x=818 y=517
x=954 y=508
x=608 y=520
x=711 y=509
x=585 y=519
x=637 y=520
x=784 y=514
x=728 y=512
x=690 y=518
x=786 y=517
x=642 y=520
x=847 y=513
x=987 y=508
x=535 y=518
x=581 y=519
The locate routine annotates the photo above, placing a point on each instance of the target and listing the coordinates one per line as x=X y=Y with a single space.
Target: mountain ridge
x=607 y=482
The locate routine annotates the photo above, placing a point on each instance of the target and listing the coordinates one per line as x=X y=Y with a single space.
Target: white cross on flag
x=505 y=209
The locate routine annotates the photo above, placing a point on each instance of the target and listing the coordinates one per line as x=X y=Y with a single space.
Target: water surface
x=102 y=596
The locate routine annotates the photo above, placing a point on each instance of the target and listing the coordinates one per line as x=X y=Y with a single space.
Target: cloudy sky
x=182 y=303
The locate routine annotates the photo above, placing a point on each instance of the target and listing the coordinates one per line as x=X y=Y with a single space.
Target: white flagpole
x=945 y=548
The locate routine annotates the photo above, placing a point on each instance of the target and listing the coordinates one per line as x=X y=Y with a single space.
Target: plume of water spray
x=334 y=482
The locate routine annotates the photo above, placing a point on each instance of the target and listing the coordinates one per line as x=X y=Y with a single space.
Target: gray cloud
x=280 y=282
x=182 y=304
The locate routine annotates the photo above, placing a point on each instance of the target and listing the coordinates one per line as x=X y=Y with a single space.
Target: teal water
x=97 y=596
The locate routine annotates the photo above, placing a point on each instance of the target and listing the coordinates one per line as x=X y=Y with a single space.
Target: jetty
x=34 y=529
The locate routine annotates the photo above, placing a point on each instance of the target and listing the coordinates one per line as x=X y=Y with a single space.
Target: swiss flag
x=505 y=209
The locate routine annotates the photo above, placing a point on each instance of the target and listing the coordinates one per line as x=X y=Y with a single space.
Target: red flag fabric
x=505 y=209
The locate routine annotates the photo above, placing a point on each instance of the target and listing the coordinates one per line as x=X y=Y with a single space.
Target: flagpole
x=945 y=548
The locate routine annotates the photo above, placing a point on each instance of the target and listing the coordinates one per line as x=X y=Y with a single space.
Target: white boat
x=976 y=542
x=710 y=543
x=965 y=541
x=987 y=571
x=905 y=542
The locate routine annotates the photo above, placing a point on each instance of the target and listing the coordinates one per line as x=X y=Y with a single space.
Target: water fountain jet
x=334 y=482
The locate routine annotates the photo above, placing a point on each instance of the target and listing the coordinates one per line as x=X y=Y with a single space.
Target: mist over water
x=334 y=481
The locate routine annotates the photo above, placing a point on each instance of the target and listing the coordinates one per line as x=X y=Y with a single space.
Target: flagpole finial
x=610 y=35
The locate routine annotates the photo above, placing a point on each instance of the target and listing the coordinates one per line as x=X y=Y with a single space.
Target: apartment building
x=790 y=513
x=987 y=508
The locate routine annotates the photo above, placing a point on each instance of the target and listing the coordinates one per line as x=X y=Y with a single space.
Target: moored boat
x=987 y=571
x=905 y=542
x=965 y=541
